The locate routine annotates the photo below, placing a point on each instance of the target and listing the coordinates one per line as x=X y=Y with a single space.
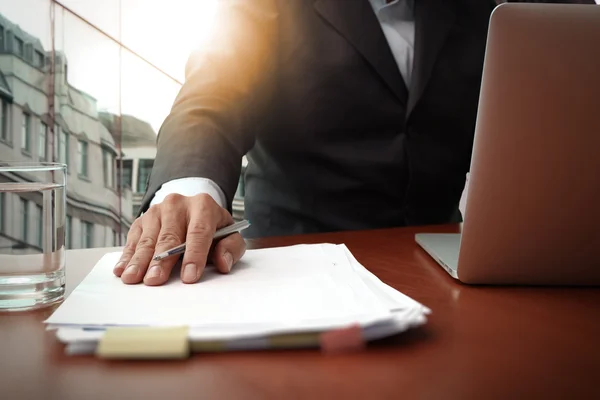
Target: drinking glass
x=32 y=234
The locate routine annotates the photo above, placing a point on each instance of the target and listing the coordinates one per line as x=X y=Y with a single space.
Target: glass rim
x=12 y=166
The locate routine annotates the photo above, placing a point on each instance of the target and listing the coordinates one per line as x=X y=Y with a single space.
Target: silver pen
x=228 y=230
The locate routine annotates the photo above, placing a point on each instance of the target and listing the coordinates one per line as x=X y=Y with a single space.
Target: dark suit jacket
x=336 y=140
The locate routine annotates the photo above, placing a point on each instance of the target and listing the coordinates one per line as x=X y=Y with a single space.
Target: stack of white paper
x=302 y=288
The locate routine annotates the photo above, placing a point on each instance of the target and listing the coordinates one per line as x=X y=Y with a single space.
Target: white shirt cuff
x=190 y=187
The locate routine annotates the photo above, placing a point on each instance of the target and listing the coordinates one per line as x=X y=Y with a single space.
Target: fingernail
x=132 y=270
x=228 y=260
x=154 y=272
x=120 y=265
x=189 y=273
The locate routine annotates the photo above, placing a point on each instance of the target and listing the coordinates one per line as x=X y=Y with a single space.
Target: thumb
x=228 y=251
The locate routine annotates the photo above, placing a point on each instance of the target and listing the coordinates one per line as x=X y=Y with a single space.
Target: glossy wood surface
x=480 y=342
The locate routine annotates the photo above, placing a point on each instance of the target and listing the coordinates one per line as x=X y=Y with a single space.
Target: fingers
x=172 y=233
x=133 y=237
x=144 y=249
x=228 y=251
x=178 y=219
x=205 y=216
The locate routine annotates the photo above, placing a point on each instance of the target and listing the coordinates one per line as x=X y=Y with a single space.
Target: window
x=25 y=140
x=42 y=141
x=1 y=211
x=108 y=163
x=68 y=232
x=29 y=52
x=86 y=234
x=39 y=59
x=19 y=47
x=39 y=223
x=4 y=114
x=115 y=238
x=127 y=173
x=55 y=141
x=82 y=158
x=1 y=38
x=63 y=147
x=145 y=167
x=25 y=218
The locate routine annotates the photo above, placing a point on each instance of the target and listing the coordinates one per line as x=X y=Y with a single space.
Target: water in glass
x=32 y=235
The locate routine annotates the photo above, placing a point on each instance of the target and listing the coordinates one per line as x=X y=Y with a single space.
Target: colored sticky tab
x=342 y=340
x=144 y=343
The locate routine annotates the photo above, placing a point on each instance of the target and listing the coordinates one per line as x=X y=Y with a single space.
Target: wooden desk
x=479 y=343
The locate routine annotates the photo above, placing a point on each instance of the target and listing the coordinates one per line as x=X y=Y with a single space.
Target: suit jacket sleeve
x=222 y=103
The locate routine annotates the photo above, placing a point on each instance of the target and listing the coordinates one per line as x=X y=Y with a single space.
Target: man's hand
x=178 y=219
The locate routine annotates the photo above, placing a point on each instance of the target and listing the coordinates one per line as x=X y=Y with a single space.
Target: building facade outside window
x=102 y=101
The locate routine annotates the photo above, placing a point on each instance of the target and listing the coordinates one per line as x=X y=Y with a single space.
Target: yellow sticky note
x=144 y=343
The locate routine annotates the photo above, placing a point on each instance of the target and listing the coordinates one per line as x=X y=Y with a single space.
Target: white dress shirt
x=397 y=23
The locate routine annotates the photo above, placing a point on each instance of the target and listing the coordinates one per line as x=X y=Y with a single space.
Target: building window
x=144 y=169
x=39 y=59
x=25 y=139
x=68 y=232
x=24 y=214
x=63 y=147
x=1 y=38
x=87 y=233
x=82 y=158
x=115 y=238
x=4 y=115
x=19 y=47
x=108 y=163
x=39 y=223
x=127 y=173
x=29 y=52
x=55 y=142
x=42 y=141
x=2 y=205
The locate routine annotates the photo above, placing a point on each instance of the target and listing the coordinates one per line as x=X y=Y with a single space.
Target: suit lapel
x=433 y=21
x=356 y=21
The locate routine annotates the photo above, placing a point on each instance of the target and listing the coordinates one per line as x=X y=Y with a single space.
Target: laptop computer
x=533 y=200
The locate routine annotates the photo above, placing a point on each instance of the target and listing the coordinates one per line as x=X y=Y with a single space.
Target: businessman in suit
x=354 y=114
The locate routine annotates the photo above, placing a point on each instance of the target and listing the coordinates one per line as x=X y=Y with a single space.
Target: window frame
x=109 y=160
x=39 y=216
x=43 y=144
x=141 y=185
x=5 y=131
x=82 y=164
x=19 y=46
x=87 y=236
x=26 y=132
x=24 y=203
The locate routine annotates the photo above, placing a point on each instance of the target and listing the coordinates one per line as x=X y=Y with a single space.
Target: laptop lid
x=533 y=209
